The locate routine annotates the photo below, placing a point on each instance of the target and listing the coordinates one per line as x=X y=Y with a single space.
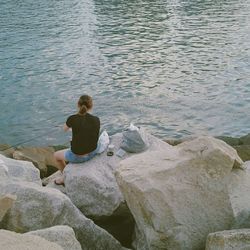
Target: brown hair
x=85 y=103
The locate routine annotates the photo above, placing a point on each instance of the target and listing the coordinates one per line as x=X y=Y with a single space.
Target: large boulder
x=61 y=235
x=180 y=195
x=229 y=240
x=6 y=203
x=18 y=170
x=39 y=207
x=41 y=157
x=15 y=241
x=92 y=186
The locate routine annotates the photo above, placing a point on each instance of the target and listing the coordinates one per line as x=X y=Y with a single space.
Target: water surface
x=177 y=68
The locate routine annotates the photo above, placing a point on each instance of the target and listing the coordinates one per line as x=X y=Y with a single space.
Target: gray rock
x=239 y=190
x=92 y=186
x=61 y=235
x=39 y=207
x=15 y=241
x=41 y=157
x=229 y=240
x=18 y=170
x=6 y=203
x=50 y=181
x=180 y=195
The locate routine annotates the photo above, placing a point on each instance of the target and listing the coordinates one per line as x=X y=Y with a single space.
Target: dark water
x=177 y=68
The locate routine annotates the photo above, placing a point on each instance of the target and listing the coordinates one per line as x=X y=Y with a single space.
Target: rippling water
x=177 y=68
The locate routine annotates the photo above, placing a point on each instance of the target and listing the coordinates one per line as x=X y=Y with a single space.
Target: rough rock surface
x=39 y=207
x=6 y=150
x=180 y=195
x=5 y=204
x=14 y=241
x=61 y=235
x=50 y=181
x=243 y=151
x=229 y=240
x=239 y=190
x=241 y=144
x=41 y=157
x=18 y=170
x=97 y=191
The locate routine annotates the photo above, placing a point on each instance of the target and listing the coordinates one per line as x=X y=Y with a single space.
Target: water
x=177 y=68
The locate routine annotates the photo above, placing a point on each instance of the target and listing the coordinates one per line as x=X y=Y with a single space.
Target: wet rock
x=245 y=140
x=232 y=141
x=6 y=150
x=243 y=151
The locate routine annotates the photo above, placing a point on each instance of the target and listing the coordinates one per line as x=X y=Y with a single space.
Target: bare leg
x=61 y=164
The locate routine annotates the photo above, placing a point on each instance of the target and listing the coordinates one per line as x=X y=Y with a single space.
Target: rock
x=6 y=150
x=5 y=204
x=174 y=142
x=232 y=141
x=245 y=139
x=40 y=207
x=229 y=240
x=50 y=181
x=18 y=170
x=180 y=195
x=15 y=241
x=41 y=157
x=243 y=151
x=61 y=235
x=92 y=186
x=239 y=190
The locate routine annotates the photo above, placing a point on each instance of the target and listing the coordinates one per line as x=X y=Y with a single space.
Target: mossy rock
x=245 y=140
x=232 y=141
x=243 y=151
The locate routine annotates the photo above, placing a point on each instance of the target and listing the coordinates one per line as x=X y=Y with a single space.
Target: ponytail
x=85 y=103
x=83 y=110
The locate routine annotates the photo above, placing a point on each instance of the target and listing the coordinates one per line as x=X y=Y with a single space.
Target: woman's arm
x=65 y=127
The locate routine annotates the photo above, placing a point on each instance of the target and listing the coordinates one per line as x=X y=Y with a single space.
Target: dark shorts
x=73 y=158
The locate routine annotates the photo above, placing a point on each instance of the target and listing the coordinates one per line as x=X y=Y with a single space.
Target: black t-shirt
x=85 y=132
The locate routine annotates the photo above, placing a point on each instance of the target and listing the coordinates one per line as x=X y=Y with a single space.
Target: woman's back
x=85 y=132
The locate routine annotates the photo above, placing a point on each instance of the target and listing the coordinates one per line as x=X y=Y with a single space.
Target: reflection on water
x=176 y=67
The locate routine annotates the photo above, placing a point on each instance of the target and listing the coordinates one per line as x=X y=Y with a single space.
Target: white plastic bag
x=134 y=140
x=103 y=142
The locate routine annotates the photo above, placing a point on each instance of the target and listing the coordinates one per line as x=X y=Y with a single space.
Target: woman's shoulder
x=73 y=116
x=93 y=117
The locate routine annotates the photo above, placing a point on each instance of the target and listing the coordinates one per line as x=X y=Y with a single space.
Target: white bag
x=134 y=140
x=103 y=142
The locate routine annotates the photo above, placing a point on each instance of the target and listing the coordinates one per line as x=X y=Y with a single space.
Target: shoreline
x=43 y=156
x=231 y=140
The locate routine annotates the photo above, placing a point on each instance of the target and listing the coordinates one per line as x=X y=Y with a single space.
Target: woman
x=85 y=132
